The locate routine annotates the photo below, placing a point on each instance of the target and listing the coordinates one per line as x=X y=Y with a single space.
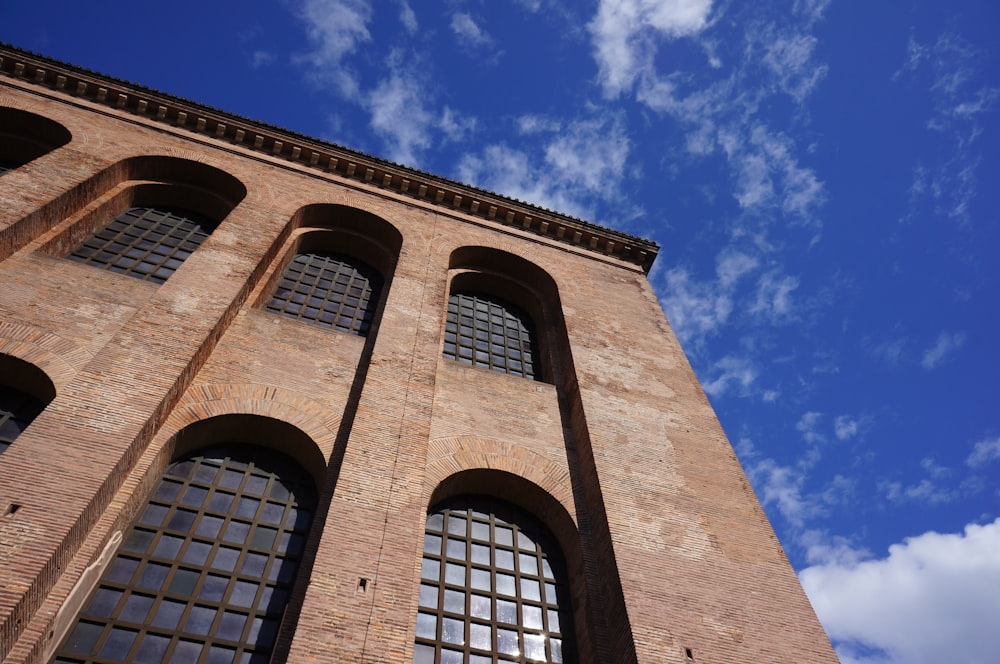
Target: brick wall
x=619 y=451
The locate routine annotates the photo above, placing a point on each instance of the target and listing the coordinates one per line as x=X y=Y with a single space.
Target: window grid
x=17 y=410
x=205 y=573
x=144 y=242
x=328 y=290
x=489 y=591
x=486 y=332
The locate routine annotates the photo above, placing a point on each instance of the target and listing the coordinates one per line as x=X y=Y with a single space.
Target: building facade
x=289 y=402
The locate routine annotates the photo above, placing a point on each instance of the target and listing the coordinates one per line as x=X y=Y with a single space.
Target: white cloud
x=808 y=425
x=774 y=296
x=731 y=265
x=624 y=35
x=262 y=59
x=590 y=153
x=932 y=599
x=534 y=124
x=731 y=371
x=335 y=28
x=781 y=486
x=947 y=343
x=567 y=167
x=407 y=17
x=845 y=427
x=397 y=97
x=454 y=126
x=694 y=308
x=960 y=104
x=925 y=491
x=530 y=5
x=889 y=351
x=467 y=31
x=984 y=452
x=790 y=58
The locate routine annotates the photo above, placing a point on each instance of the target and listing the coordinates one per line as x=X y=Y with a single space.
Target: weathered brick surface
x=618 y=451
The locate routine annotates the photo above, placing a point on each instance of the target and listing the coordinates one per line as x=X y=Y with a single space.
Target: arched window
x=329 y=290
x=493 y=588
x=205 y=572
x=485 y=331
x=17 y=410
x=145 y=242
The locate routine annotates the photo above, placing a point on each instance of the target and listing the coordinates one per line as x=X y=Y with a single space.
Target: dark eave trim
x=323 y=156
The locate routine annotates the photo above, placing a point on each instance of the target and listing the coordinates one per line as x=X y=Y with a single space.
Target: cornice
x=320 y=155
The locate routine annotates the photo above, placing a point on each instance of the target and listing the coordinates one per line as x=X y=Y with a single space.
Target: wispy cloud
x=774 y=296
x=984 y=452
x=888 y=350
x=926 y=490
x=468 y=31
x=729 y=372
x=947 y=343
x=569 y=166
x=625 y=35
x=960 y=104
x=408 y=17
x=396 y=97
x=262 y=58
x=334 y=29
x=845 y=427
x=932 y=599
x=695 y=308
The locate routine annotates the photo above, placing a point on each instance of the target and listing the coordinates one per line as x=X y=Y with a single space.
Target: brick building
x=289 y=402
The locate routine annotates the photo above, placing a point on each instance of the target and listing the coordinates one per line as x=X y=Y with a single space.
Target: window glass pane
x=339 y=292
x=146 y=243
x=493 y=334
x=498 y=617
x=163 y=622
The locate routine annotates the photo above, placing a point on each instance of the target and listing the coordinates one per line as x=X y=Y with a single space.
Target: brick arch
x=205 y=402
x=447 y=457
x=60 y=359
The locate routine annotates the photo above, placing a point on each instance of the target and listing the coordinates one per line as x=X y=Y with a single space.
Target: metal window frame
x=485 y=331
x=147 y=243
x=528 y=539
x=328 y=289
x=244 y=590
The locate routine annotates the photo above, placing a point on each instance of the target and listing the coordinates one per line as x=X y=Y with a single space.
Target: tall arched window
x=205 y=572
x=148 y=243
x=493 y=588
x=485 y=331
x=328 y=290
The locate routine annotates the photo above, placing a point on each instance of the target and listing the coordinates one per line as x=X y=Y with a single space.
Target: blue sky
x=821 y=176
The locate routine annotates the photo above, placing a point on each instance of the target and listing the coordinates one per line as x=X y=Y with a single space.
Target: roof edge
x=323 y=156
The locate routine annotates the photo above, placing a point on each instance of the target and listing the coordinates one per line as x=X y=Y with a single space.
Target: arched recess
x=497 y=497
x=211 y=561
x=210 y=410
x=156 y=211
x=26 y=136
x=506 y=278
x=25 y=391
x=141 y=181
x=335 y=270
